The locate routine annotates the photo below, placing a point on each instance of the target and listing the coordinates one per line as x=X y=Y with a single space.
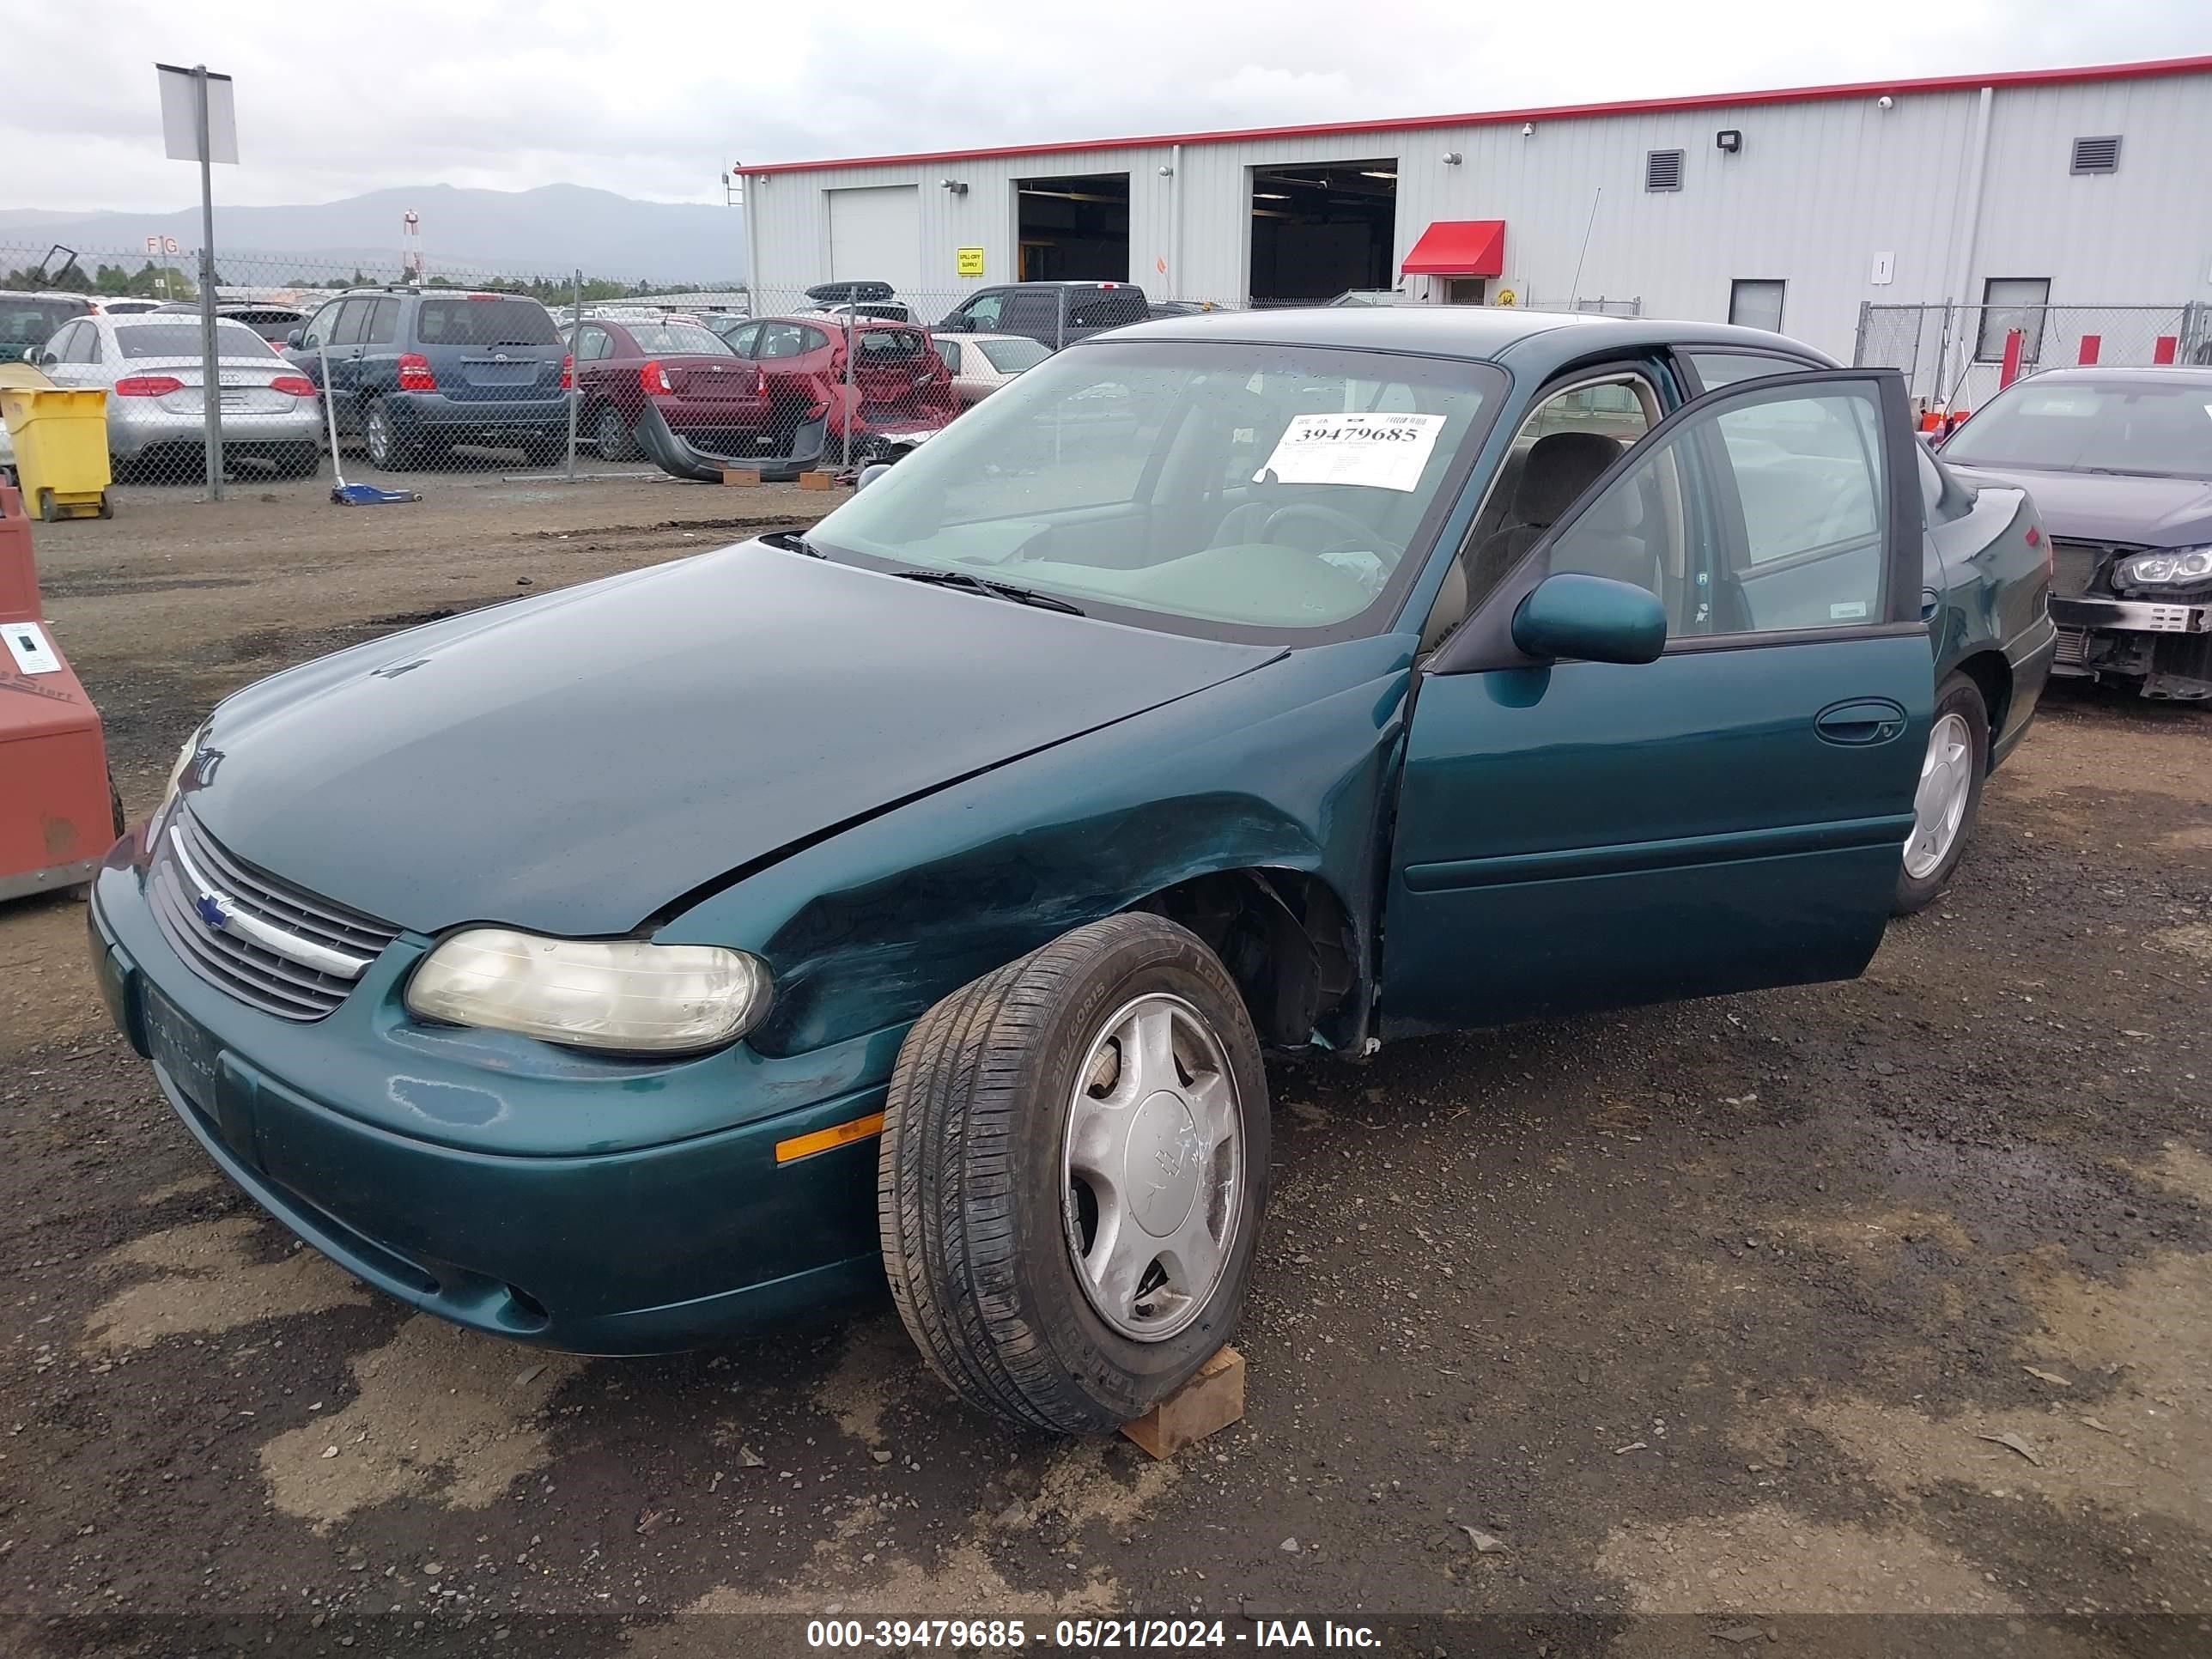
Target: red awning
x=1459 y=247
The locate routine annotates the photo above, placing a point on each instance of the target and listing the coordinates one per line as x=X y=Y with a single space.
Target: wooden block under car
x=1208 y=1403
x=817 y=481
x=741 y=475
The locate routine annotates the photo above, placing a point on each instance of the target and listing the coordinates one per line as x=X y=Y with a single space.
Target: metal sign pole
x=575 y=366
x=210 y=373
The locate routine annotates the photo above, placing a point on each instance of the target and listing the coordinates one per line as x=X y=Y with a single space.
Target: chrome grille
x=283 y=952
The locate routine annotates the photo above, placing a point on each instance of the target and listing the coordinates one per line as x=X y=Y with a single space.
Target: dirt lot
x=1886 y=1298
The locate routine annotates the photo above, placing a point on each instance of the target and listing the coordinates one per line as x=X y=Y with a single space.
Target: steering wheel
x=1363 y=535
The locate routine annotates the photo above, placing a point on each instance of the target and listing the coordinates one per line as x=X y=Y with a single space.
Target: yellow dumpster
x=60 y=436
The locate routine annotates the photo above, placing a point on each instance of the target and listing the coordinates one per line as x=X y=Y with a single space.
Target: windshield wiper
x=791 y=541
x=966 y=583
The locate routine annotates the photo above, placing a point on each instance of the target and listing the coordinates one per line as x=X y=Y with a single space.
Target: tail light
x=567 y=373
x=148 y=386
x=2037 y=539
x=760 y=383
x=652 y=378
x=415 y=374
x=293 y=385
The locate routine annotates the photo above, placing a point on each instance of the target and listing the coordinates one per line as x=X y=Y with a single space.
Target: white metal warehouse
x=1787 y=209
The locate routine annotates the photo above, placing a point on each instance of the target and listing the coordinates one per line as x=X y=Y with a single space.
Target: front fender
x=1284 y=767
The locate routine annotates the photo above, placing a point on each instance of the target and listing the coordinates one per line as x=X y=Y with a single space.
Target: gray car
x=2119 y=462
x=150 y=365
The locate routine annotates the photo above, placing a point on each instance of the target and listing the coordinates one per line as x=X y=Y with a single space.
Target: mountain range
x=548 y=231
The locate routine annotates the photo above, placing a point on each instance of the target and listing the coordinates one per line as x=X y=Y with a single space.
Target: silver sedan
x=149 y=366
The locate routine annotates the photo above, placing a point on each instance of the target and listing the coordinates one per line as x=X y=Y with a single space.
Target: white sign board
x=1884 y=267
x=1382 y=452
x=180 y=118
x=27 y=643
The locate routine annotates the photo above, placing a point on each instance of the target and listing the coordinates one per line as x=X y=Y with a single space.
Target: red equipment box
x=58 y=814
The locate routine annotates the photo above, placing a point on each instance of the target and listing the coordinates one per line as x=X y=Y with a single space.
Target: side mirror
x=869 y=473
x=958 y=323
x=297 y=339
x=1592 y=619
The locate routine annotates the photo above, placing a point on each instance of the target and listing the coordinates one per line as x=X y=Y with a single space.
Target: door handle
x=1860 y=722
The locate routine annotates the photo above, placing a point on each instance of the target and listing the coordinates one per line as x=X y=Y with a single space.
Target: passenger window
x=982 y=312
x=950 y=354
x=318 y=331
x=352 y=324
x=383 y=323
x=744 y=340
x=593 y=345
x=1764 y=515
x=781 y=340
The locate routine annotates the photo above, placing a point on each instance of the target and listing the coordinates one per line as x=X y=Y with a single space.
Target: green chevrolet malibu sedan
x=623 y=968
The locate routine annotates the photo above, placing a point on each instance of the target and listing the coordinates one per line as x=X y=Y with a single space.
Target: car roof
x=1535 y=339
x=816 y=318
x=2140 y=374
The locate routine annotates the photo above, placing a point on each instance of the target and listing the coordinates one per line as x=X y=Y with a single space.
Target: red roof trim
x=2145 y=71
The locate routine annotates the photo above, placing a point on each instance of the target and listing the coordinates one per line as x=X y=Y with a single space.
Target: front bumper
x=2165 y=646
x=600 y=1247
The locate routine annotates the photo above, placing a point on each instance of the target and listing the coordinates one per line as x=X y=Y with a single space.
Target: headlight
x=177 y=772
x=2183 y=565
x=626 y=995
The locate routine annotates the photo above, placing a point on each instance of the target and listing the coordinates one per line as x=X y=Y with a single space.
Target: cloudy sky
x=653 y=100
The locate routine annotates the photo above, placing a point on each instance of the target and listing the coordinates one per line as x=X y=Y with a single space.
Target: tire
x=388 y=452
x=1958 y=741
x=107 y=506
x=613 y=434
x=50 y=510
x=982 y=1222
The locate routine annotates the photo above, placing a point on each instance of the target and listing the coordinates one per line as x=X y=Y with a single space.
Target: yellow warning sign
x=968 y=261
x=1506 y=296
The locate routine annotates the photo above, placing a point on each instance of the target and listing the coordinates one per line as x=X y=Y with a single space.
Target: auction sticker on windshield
x=1381 y=452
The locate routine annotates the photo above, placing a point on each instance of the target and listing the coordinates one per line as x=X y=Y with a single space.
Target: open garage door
x=1074 y=230
x=875 y=235
x=1319 y=229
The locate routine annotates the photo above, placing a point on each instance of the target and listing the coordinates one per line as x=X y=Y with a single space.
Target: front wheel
x=1073 y=1173
x=1949 y=798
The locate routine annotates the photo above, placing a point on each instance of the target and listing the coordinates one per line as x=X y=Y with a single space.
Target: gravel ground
x=1663 y=1331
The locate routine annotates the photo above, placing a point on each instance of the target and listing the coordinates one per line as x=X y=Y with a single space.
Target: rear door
x=1576 y=835
x=1033 y=312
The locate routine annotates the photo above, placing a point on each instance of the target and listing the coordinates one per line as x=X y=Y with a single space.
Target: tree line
x=157 y=281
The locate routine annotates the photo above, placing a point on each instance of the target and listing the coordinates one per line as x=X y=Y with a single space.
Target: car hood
x=574 y=763
x=2099 y=506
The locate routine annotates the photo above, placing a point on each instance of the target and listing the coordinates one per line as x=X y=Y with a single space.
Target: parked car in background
x=1372 y=296
x=980 y=363
x=2119 y=461
x=876 y=299
x=1052 y=314
x=150 y=364
x=899 y=391
x=701 y=387
x=27 y=321
x=917 y=895
x=417 y=371
x=273 y=323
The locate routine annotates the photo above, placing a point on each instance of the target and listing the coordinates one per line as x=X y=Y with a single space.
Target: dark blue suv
x=417 y=371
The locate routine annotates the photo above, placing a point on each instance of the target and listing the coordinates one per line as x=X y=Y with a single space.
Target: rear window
x=1012 y=356
x=467 y=322
x=885 y=344
x=183 y=340
x=1107 y=309
x=674 y=339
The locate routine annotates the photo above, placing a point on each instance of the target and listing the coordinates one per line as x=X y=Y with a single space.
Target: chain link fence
x=393 y=378
x=1953 y=356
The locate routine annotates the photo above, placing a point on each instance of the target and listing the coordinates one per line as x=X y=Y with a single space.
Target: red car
x=899 y=384
x=701 y=386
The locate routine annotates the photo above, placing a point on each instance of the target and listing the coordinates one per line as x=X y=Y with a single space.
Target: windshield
x=2094 y=426
x=473 y=322
x=1245 y=491
x=677 y=339
x=150 y=339
x=1011 y=356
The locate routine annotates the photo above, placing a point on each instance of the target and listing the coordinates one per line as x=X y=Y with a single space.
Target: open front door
x=1578 y=835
